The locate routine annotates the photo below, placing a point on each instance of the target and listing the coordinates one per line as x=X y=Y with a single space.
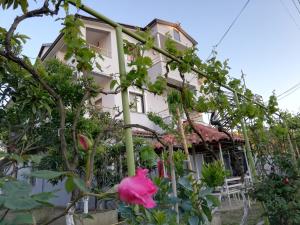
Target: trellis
x=124 y=93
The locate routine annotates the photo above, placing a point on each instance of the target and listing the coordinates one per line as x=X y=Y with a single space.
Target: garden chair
x=233 y=188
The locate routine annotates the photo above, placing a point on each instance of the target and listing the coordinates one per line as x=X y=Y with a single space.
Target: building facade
x=102 y=38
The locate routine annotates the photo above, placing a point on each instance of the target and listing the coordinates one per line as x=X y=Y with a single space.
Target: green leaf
x=44 y=197
x=3 y=154
x=20 y=203
x=16 y=189
x=160 y=217
x=70 y=185
x=113 y=83
x=207 y=212
x=36 y=158
x=24 y=218
x=17 y=158
x=215 y=201
x=148 y=154
x=80 y=184
x=24 y=5
x=47 y=174
x=184 y=181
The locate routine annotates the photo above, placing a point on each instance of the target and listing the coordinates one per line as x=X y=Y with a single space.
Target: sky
x=264 y=42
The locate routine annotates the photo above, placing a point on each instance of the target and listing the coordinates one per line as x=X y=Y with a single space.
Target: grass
x=234 y=217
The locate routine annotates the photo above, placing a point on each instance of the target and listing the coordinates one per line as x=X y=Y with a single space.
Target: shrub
x=279 y=190
x=213 y=174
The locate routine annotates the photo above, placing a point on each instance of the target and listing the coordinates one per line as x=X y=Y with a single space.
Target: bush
x=279 y=190
x=213 y=174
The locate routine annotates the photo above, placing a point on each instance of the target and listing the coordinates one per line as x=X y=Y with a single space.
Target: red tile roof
x=210 y=135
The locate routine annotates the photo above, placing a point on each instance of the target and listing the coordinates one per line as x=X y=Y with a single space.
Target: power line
x=289 y=94
x=290 y=14
x=288 y=90
x=295 y=4
x=229 y=28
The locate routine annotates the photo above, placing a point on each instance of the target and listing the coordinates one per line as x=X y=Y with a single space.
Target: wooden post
x=195 y=161
x=173 y=180
x=249 y=170
x=230 y=163
x=221 y=155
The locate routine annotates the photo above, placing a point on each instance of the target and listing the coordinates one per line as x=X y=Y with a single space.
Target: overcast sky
x=264 y=42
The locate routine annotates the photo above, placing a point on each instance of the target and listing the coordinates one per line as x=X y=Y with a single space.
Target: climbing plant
x=49 y=123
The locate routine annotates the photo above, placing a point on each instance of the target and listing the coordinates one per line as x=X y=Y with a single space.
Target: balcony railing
x=101 y=51
x=165 y=115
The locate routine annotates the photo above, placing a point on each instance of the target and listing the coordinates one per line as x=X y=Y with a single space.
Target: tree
x=56 y=105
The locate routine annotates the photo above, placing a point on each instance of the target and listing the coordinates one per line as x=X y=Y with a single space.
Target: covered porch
x=219 y=146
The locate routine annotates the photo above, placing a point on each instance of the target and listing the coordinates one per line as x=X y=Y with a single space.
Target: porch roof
x=210 y=134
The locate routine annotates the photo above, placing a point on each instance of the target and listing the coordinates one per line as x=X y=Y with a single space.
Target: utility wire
x=288 y=90
x=229 y=28
x=295 y=4
x=289 y=94
x=290 y=14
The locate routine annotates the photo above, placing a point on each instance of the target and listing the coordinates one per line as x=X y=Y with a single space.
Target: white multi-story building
x=102 y=38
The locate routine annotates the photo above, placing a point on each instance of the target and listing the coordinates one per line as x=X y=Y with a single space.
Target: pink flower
x=138 y=189
x=84 y=142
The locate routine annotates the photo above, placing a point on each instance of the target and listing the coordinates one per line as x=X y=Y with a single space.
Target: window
x=136 y=102
x=176 y=35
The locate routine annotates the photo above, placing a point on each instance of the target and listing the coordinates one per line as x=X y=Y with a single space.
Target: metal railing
x=102 y=51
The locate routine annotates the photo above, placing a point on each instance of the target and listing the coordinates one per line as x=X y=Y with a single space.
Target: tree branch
x=4 y=215
x=33 y=13
x=8 y=54
x=198 y=133
x=101 y=91
x=74 y=126
x=65 y=212
x=156 y=135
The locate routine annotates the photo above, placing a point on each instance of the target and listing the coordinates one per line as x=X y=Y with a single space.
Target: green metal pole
x=134 y=35
x=247 y=143
x=125 y=104
x=291 y=147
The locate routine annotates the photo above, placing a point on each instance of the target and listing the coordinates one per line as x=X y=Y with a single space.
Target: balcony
x=102 y=51
x=99 y=40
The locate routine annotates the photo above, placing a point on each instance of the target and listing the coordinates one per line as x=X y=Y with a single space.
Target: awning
x=210 y=134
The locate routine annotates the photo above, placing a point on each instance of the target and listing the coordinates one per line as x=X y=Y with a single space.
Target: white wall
x=110 y=67
x=164 y=29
